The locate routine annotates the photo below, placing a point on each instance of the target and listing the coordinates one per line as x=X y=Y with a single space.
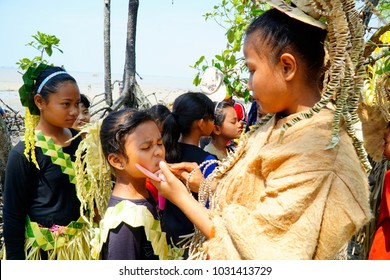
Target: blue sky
x=170 y=37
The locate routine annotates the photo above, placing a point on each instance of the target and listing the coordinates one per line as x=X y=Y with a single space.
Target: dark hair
x=159 y=113
x=53 y=84
x=116 y=126
x=187 y=108
x=283 y=34
x=85 y=101
x=219 y=114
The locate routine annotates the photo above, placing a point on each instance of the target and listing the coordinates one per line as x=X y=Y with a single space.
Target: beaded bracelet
x=205 y=185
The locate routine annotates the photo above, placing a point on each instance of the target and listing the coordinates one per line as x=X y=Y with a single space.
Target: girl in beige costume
x=284 y=195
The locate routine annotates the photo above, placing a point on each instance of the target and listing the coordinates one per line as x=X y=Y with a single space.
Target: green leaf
x=246 y=95
x=49 y=50
x=228 y=91
x=197 y=80
x=226 y=52
x=233 y=60
x=241 y=9
x=59 y=50
x=230 y=36
x=200 y=60
x=44 y=44
x=238 y=19
x=234 y=16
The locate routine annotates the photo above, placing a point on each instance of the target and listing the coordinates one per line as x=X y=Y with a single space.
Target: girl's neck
x=130 y=188
x=59 y=135
x=220 y=144
x=191 y=139
x=306 y=97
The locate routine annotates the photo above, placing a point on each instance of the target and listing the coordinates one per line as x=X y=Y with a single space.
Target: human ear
x=201 y=124
x=39 y=101
x=116 y=161
x=217 y=130
x=289 y=65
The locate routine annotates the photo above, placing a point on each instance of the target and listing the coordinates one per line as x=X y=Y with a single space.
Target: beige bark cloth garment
x=291 y=199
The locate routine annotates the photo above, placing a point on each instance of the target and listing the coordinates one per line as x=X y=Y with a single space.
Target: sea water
x=156 y=88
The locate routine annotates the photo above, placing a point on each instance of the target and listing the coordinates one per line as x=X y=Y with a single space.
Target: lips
x=156 y=167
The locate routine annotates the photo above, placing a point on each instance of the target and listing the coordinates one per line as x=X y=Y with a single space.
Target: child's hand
x=182 y=171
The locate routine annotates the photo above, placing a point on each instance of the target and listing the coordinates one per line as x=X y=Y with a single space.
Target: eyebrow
x=148 y=141
x=69 y=99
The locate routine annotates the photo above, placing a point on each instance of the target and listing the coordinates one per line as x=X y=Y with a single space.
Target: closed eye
x=145 y=148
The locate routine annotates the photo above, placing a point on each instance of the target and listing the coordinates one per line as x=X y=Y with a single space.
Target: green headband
x=26 y=92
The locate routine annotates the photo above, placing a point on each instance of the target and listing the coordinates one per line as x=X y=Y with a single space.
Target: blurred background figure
x=226 y=128
x=159 y=113
x=2 y=113
x=84 y=115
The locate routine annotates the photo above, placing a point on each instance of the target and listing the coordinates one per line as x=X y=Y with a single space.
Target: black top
x=45 y=195
x=252 y=116
x=126 y=242
x=174 y=222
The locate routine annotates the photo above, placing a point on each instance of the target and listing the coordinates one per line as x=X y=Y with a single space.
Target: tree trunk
x=132 y=95
x=5 y=147
x=107 y=53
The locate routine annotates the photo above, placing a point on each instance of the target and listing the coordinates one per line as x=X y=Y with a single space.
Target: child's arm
x=16 y=195
x=174 y=190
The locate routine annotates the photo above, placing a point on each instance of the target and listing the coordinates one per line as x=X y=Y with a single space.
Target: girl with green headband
x=41 y=208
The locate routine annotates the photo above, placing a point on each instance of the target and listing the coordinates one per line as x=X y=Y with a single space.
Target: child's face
x=83 y=118
x=386 y=146
x=145 y=147
x=231 y=128
x=265 y=80
x=61 y=108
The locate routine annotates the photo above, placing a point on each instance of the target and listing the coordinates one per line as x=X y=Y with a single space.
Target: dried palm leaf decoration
x=342 y=85
x=343 y=82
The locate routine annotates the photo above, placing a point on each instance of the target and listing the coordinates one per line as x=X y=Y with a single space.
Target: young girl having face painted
x=129 y=138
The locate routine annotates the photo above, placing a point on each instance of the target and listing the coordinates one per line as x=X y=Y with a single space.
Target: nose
x=75 y=110
x=249 y=86
x=159 y=151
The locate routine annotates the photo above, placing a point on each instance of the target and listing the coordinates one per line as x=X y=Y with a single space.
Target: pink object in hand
x=161 y=202
x=157 y=176
x=154 y=176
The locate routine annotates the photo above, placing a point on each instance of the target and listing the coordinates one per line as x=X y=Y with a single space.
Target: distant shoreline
x=156 y=89
x=12 y=77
